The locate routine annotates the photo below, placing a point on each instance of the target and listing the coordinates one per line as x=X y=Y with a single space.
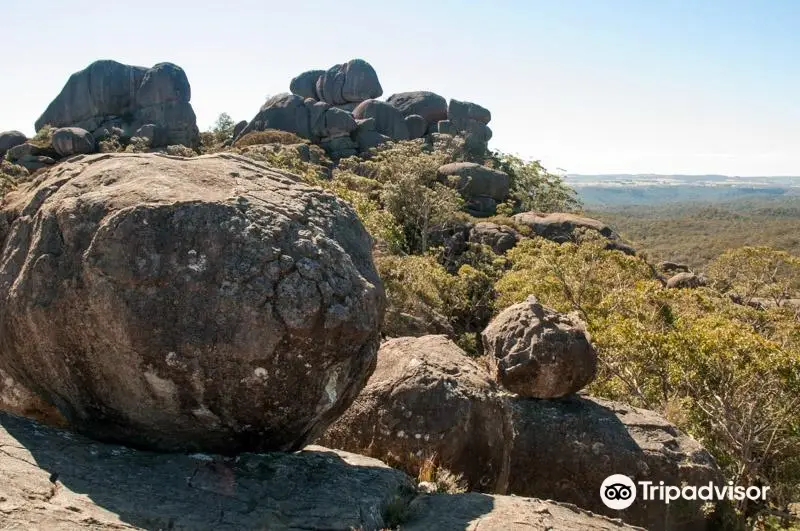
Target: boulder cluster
x=339 y=110
x=109 y=100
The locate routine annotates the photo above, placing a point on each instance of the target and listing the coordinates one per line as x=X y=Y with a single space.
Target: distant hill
x=652 y=189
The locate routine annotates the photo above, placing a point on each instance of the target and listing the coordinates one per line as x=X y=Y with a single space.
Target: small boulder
x=686 y=280
x=474 y=180
x=10 y=139
x=305 y=85
x=68 y=141
x=285 y=112
x=338 y=123
x=367 y=140
x=388 y=120
x=354 y=81
x=428 y=399
x=537 y=352
x=446 y=127
x=155 y=136
x=416 y=125
x=187 y=304
x=429 y=105
x=500 y=238
x=673 y=267
x=461 y=112
x=560 y=227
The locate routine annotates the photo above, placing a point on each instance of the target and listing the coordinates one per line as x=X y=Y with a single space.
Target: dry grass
x=269 y=136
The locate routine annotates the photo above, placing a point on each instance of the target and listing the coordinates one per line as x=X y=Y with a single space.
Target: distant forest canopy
x=696 y=232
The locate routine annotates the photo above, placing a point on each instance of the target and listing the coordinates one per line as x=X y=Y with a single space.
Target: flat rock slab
x=473 y=512
x=56 y=480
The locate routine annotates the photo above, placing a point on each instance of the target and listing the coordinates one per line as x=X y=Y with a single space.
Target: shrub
x=269 y=136
x=533 y=187
x=748 y=273
x=10 y=175
x=179 y=150
x=43 y=137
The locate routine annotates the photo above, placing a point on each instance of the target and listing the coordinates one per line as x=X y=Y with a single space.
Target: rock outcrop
x=482 y=187
x=10 y=139
x=563 y=227
x=388 y=120
x=210 y=304
x=537 y=352
x=686 y=280
x=108 y=95
x=428 y=400
x=564 y=449
x=500 y=238
x=429 y=105
x=51 y=479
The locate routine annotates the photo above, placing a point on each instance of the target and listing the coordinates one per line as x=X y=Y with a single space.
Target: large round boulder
x=461 y=112
x=210 y=304
x=416 y=126
x=68 y=141
x=10 y=139
x=537 y=352
x=500 y=238
x=686 y=280
x=388 y=120
x=562 y=226
x=428 y=400
x=429 y=105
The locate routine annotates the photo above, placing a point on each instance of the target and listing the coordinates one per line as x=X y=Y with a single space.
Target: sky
x=585 y=86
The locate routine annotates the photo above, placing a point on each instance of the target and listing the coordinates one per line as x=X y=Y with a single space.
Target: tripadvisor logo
x=619 y=492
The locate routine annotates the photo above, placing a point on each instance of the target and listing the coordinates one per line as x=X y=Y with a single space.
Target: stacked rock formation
x=339 y=110
x=108 y=98
x=513 y=423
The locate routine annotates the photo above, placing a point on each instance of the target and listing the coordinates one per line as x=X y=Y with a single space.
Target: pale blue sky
x=591 y=86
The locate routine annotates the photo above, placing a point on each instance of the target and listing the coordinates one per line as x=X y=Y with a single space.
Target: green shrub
x=43 y=137
x=533 y=187
x=269 y=136
x=180 y=150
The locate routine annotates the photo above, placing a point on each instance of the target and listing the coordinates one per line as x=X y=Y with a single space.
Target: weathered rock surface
x=537 y=352
x=667 y=266
x=500 y=238
x=563 y=227
x=427 y=399
x=473 y=180
x=285 y=112
x=416 y=125
x=51 y=479
x=154 y=135
x=210 y=303
x=481 y=512
x=305 y=85
x=109 y=94
x=10 y=139
x=354 y=81
x=429 y=105
x=565 y=448
x=19 y=400
x=686 y=280
x=461 y=112
x=388 y=120
x=68 y=141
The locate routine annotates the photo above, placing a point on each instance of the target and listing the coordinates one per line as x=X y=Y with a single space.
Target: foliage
x=223 y=128
x=726 y=373
x=269 y=136
x=10 y=175
x=445 y=480
x=43 y=137
x=533 y=187
x=748 y=273
x=406 y=177
x=180 y=150
x=111 y=144
x=138 y=145
x=696 y=233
